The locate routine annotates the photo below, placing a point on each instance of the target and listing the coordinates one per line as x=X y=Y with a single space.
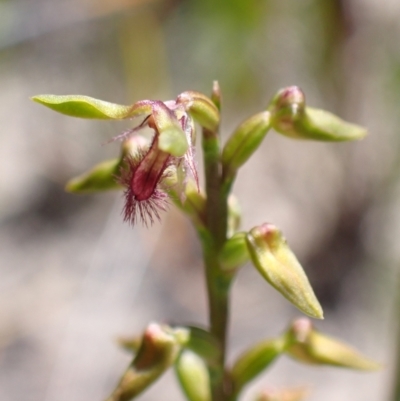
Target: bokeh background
x=73 y=277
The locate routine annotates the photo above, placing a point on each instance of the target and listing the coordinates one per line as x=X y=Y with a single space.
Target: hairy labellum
x=142 y=175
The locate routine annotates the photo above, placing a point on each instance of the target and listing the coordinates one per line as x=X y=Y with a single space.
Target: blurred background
x=73 y=277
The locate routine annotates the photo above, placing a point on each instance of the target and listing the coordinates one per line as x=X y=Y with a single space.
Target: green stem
x=218 y=282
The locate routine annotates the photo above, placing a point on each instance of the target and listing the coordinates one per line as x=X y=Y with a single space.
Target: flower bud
x=158 y=351
x=244 y=142
x=201 y=108
x=256 y=359
x=310 y=346
x=234 y=253
x=291 y=117
x=275 y=261
x=193 y=376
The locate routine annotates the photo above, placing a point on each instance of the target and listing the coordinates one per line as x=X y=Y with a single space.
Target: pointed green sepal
x=171 y=139
x=158 y=351
x=201 y=108
x=88 y=107
x=193 y=376
x=275 y=261
x=291 y=117
x=234 y=253
x=255 y=360
x=100 y=178
x=310 y=346
x=244 y=141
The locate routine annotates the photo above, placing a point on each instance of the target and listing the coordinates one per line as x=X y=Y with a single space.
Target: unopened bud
x=193 y=376
x=279 y=266
x=291 y=117
x=234 y=253
x=201 y=108
x=310 y=346
x=158 y=351
x=244 y=142
x=255 y=360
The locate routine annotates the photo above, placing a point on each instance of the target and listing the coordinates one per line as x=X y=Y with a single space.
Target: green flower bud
x=244 y=142
x=158 y=351
x=201 y=108
x=255 y=360
x=291 y=117
x=193 y=376
x=310 y=346
x=278 y=265
x=234 y=253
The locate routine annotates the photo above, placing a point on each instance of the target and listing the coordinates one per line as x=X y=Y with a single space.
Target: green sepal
x=193 y=376
x=171 y=139
x=102 y=177
x=255 y=360
x=159 y=348
x=234 y=252
x=88 y=107
x=201 y=108
x=244 y=141
x=275 y=261
x=310 y=346
x=291 y=117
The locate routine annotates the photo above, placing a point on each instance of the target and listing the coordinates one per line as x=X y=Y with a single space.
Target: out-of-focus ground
x=73 y=277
